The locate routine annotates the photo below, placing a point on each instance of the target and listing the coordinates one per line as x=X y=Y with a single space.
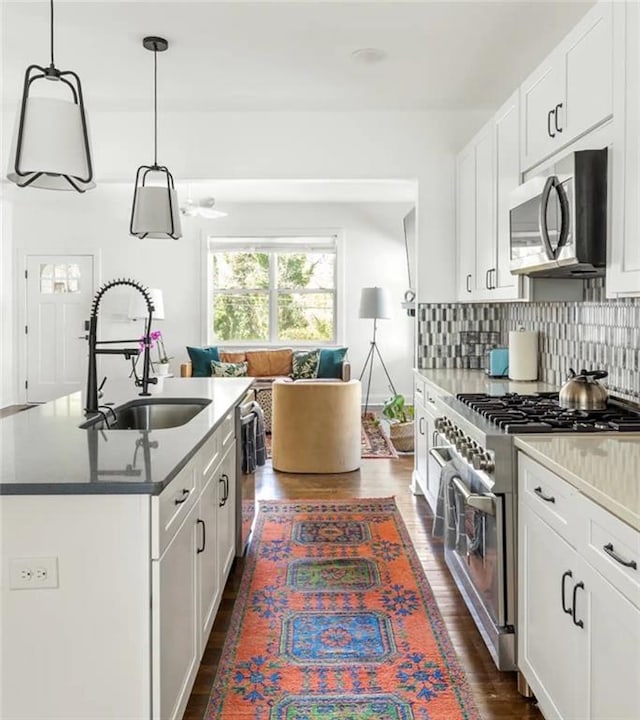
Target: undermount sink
x=148 y=414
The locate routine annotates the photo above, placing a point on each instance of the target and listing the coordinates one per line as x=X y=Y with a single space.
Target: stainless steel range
x=473 y=445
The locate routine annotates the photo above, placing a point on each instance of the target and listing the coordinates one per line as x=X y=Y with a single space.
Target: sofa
x=267 y=365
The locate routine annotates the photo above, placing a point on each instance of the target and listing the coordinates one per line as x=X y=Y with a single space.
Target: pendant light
x=155 y=212
x=51 y=147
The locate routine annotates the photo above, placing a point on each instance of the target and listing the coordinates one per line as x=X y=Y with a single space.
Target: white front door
x=59 y=293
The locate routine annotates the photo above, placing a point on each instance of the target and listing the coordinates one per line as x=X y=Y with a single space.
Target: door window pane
x=59 y=278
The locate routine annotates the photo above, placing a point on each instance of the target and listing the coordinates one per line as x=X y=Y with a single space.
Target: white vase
x=161 y=368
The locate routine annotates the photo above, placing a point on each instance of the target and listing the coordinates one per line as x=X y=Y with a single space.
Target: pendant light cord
x=51 y=30
x=155 y=106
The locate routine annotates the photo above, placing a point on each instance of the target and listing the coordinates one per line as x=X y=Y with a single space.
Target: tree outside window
x=278 y=292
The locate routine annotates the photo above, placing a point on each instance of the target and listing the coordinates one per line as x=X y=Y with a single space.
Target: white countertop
x=44 y=451
x=451 y=382
x=605 y=468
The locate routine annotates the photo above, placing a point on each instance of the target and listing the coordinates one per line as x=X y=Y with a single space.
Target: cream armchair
x=316 y=426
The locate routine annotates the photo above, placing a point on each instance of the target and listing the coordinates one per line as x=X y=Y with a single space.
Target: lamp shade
x=138 y=306
x=375 y=303
x=53 y=146
x=154 y=206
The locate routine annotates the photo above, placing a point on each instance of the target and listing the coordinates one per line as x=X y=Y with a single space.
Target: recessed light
x=369 y=56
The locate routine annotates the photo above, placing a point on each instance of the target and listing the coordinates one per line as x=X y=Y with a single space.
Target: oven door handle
x=484 y=503
x=437 y=456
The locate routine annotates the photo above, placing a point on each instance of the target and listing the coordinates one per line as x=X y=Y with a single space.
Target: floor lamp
x=374 y=305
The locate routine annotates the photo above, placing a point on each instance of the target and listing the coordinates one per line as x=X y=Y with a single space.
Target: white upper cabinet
x=502 y=283
x=571 y=91
x=623 y=266
x=466 y=220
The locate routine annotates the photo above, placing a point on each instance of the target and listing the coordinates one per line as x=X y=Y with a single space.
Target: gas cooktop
x=542 y=413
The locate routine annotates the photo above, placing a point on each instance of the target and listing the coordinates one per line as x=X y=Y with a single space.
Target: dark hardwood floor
x=495 y=692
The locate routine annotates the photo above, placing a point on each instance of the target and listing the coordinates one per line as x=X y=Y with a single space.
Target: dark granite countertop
x=43 y=451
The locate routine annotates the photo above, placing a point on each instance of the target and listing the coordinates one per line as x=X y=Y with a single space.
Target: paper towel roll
x=523 y=355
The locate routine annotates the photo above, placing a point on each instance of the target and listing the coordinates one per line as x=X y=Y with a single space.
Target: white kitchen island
x=116 y=545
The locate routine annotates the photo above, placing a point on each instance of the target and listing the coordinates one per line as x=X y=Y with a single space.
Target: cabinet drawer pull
x=608 y=548
x=421 y=425
x=549 y=133
x=555 y=113
x=183 y=497
x=487 y=279
x=565 y=575
x=542 y=496
x=223 y=500
x=226 y=486
x=576 y=587
x=492 y=278
x=204 y=536
x=469 y=283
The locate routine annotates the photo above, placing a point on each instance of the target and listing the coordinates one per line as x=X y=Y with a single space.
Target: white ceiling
x=288 y=56
x=311 y=191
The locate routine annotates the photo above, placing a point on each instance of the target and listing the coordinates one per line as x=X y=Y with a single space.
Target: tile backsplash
x=594 y=333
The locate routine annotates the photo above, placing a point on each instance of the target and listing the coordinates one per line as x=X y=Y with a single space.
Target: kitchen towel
x=523 y=354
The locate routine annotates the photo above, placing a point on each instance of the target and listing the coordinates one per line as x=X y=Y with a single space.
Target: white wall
x=369 y=145
x=372 y=253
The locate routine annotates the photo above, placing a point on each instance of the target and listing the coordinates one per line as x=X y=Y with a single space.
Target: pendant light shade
x=155 y=212
x=51 y=147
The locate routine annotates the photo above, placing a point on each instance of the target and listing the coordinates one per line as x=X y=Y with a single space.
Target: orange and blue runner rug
x=335 y=620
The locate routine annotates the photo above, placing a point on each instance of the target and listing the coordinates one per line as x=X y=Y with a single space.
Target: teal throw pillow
x=305 y=364
x=201 y=358
x=330 y=365
x=229 y=369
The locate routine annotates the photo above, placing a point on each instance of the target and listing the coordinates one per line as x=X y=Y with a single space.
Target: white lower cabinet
x=551 y=647
x=578 y=626
x=188 y=579
x=426 y=478
x=175 y=636
x=226 y=512
x=209 y=575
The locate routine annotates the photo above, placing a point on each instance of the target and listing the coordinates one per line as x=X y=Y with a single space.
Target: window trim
x=209 y=244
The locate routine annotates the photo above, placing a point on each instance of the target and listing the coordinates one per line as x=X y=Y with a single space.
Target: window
x=61 y=278
x=273 y=290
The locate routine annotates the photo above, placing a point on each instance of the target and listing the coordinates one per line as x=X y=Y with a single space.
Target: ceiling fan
x=203 y=208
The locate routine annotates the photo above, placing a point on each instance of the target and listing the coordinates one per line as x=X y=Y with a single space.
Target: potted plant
x=400 y=417
x=161 y=365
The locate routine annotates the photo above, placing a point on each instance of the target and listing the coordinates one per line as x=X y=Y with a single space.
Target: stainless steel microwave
x=558 y=221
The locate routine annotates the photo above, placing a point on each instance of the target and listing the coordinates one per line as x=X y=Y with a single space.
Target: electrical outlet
x=33 y=573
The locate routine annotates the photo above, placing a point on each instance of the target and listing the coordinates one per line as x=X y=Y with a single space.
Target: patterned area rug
x=335 y=620
x=375 y=444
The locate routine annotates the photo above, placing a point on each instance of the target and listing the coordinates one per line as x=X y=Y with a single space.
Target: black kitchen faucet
x=92 y=406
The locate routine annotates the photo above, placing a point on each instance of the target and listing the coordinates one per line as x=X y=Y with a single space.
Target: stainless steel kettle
x=583 y=391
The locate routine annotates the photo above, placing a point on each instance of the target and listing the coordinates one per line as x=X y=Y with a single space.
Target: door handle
x=204 y=536
x=223 y=500
x=555 y=113
x=608 y=548
x=546 y=498
x=565 y=575
x=552 y=181
x=469 y=283
x=549 y=133
x=183 y=497
x=576 y=587
x=484 y=503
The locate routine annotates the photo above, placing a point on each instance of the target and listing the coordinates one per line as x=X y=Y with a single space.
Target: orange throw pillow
x=269 y=363
x=233 y=357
